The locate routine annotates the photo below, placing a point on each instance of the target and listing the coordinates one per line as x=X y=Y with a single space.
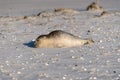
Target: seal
x=66 y=10
x=94 y=7
x=60 y=39
x=104 y=13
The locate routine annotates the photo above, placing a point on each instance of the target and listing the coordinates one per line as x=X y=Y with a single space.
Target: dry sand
x=29 y=7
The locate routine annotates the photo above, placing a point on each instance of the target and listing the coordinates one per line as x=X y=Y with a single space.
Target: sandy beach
x=30 y=7
x=20 y=26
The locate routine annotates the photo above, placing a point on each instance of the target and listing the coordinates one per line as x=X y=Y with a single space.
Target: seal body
x=66 y=10
x=104 y=13
x=94 y=7
x=59 y=39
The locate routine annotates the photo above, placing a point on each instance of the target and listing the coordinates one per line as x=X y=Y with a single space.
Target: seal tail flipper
x=89 y=42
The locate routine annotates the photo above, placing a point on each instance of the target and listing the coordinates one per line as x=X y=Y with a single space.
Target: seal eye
x=37 y=39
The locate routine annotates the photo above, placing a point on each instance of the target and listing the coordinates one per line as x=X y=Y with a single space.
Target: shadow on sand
x=30 y=44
